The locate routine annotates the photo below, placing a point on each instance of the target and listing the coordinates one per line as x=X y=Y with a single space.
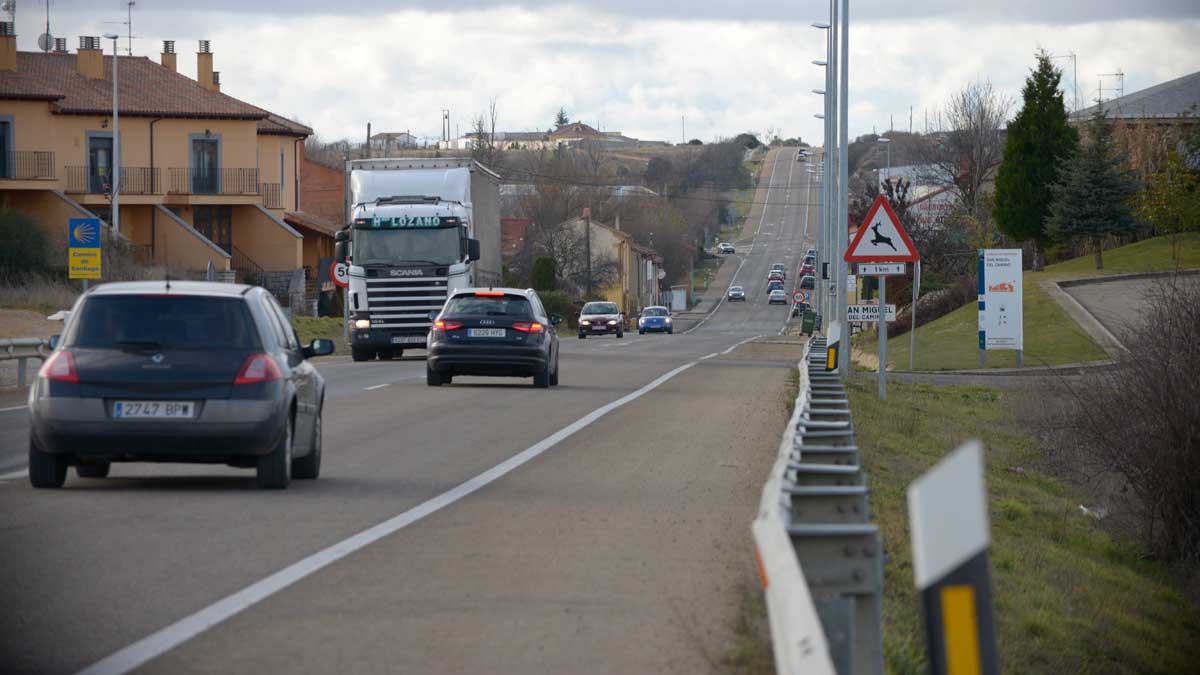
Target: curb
x=1084 y=281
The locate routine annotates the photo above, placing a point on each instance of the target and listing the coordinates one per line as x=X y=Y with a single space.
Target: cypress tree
x=1039 y=140
x=544 y=274
x=1092 y=198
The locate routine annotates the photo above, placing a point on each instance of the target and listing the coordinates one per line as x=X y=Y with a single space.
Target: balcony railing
x=27 y=165
x=272 y=195
x=214 y=182
x=135 y=180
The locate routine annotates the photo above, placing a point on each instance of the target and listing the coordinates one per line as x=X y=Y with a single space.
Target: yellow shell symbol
x=85 y=234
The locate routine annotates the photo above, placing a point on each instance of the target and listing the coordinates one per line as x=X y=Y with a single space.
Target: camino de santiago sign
x=83 y=248
x=1001 y=320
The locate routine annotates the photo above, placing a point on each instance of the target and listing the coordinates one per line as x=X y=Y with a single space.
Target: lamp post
x=115 y=219
x=824 y=246
x=843 y=200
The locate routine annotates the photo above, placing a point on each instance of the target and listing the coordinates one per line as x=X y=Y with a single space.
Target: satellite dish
x=45 y=42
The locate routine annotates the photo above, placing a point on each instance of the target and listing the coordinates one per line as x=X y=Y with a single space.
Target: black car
x=177 y=372
x=601 y=318
x=502 y=332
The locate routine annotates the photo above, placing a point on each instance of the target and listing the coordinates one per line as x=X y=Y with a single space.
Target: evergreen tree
x=1039 y=140
x=1092 y=198
x=561 y=118
x=544 y=274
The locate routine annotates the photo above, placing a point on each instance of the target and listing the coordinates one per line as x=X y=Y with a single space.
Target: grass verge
x=309 y=328
x=1068 y=596
x=1051 y=336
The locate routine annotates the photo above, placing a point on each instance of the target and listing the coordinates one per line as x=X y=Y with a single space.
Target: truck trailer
x=416 y=230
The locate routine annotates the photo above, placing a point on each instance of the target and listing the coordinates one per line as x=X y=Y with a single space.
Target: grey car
x=191 y=372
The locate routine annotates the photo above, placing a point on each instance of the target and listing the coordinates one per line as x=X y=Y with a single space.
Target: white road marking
x=166 y=639
x=13 y=409
x=23 y=473
x=377 y=386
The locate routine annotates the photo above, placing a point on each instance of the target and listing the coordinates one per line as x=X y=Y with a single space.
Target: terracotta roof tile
x=281 y=126
x=146 y=88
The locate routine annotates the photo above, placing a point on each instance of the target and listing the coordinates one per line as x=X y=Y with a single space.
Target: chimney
x=90 y=59
x=204 y=71
x=8 y=46
x=168 y=55
x=60 y=45
x=216 y=81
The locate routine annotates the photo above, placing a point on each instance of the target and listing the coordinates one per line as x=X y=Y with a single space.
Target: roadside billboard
x=1001 y=319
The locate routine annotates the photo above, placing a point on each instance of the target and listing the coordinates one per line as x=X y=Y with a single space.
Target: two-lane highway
x=600 y=526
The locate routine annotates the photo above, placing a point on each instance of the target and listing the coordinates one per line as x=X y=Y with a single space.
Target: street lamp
x=115 y=219
x=819 y=62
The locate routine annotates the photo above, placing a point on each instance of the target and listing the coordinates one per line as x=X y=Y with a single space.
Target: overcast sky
x=636 y=66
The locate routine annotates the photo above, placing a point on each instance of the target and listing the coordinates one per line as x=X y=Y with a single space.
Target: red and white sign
x=801 y=297
x=340 y=273
x=881 y=238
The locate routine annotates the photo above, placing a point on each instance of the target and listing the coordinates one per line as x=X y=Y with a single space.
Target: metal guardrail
x=821 y=560
x=23 y=349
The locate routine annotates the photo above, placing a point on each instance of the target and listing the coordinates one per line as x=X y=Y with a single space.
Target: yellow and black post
x=947 y=510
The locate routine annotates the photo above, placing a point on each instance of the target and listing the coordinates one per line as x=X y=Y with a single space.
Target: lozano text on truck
x=417 y=229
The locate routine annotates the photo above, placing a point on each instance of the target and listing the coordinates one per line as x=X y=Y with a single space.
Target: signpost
x=877 y=269
x=867 y=313
x=83 y=249
x=887 y=243
x=1001 y=316
x=802 y=297
x=947 y=514
x=340 y=273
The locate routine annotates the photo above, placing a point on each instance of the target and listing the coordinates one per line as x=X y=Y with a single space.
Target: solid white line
x=166 y=639
x=15 y=474
x=377 y=386
x=13 y=409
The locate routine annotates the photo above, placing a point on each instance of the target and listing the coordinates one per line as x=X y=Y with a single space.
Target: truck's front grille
x=405 y=302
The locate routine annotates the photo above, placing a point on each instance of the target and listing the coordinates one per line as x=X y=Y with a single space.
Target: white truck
x=416 y=230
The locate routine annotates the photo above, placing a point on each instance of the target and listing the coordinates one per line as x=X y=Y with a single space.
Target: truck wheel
x=275 y=469
x=361 y=354
x=385 y=355
x=432 y=377
x=46 y=470
x=94 y=470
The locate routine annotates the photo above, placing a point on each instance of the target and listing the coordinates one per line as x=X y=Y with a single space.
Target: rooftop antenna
x=128 y=23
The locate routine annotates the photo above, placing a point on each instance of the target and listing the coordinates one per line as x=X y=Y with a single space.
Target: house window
x=6 y=155
x=100 y=163
x=204 y=163
x=215 y=223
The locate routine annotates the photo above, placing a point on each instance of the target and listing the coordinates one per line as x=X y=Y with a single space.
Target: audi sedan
x=600 y=318
x=179 y=371
x=655 y=320
x=494 y=332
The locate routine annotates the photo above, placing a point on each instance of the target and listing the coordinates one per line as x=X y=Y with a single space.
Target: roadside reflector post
x=947 y=512
x=833 y=345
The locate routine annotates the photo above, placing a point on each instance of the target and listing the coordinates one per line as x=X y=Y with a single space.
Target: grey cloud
x=1024 y=11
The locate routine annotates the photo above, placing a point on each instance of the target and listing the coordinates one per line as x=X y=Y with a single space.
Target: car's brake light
x=258 y=368
x=446 y=325
x=489 y=294
x=60 y=366
x=529 y=327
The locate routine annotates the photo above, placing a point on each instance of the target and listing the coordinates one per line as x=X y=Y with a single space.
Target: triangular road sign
x=881 y=238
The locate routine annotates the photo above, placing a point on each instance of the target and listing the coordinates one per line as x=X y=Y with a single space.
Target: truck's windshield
x=439 y=246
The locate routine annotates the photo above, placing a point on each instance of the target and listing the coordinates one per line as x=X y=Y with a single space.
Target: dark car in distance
x=600 y=318
x=191 y=372
x=493 y=332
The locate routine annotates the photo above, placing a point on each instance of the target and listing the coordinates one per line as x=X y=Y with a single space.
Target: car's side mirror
x=319 y=347
x=433 y=315
x=54 y=339
x=555 y=319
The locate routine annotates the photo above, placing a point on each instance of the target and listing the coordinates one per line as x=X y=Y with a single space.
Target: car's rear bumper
x=498 y=360
x=222 y=429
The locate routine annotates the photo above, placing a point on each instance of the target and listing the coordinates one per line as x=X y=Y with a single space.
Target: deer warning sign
x=881 y=238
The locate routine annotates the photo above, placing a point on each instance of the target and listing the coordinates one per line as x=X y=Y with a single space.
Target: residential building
x=204 y=177
x=1175 y=102
x=637 y=266
x=384 y=143
x=514 y=234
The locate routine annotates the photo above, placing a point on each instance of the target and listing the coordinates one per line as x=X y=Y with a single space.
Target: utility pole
x=587 y=220
x=367 y=145
x=843 y=198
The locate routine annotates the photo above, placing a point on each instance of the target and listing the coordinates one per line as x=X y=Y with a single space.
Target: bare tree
x=964 y=154
x=484 y=148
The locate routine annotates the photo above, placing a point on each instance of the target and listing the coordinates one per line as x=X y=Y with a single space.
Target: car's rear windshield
x=488 y=305
x=656 y=311
x=165 y=322
x=601 y=308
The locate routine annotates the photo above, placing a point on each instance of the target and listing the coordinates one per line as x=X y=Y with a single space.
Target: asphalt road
x=601 y=526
